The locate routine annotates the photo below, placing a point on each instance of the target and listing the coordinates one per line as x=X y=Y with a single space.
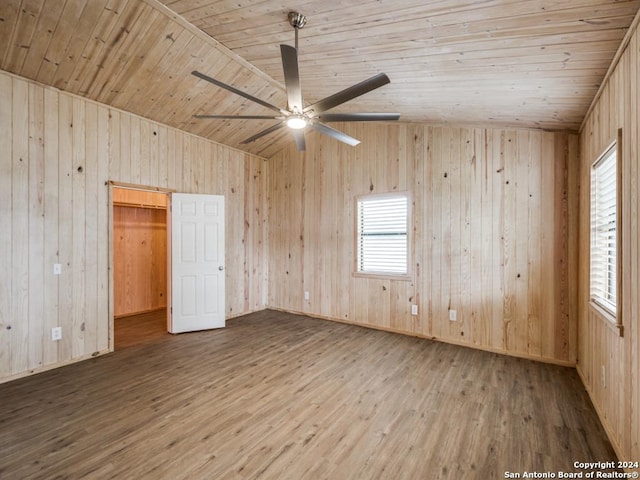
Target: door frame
x=111 y=282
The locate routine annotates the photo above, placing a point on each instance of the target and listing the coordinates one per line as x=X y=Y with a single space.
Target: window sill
x=606 y=316
x=383 y=276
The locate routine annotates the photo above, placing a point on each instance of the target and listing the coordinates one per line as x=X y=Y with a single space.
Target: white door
x=197 y=263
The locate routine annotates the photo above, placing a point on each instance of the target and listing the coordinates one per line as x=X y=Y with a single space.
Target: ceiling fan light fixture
x=297 y=122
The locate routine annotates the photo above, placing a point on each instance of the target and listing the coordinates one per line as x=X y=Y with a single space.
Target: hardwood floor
x=280 y=396
x=140 y=329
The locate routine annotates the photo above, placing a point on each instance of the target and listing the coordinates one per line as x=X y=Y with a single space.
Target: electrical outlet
x=453 y=316
x=604 y=377
x=57 y=269
x=56 y=334
x=306 y=295
x=414 y=309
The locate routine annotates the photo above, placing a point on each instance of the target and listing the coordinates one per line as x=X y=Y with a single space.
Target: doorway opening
x=140 y=263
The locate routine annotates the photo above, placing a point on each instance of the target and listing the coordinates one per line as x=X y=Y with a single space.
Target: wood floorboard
x=280 y=396
x=140 y=329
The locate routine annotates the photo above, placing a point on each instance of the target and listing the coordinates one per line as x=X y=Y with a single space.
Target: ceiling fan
x=297 y=116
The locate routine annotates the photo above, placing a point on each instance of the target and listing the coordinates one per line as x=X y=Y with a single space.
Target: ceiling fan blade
x=241 y=117
x=347 y=94
x=298 y=136
x=235 y=90
x=358 y=117
x=332 y=132
x=267 y=131
x=291 y=77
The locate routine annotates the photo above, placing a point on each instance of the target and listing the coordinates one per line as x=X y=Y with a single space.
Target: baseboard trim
x=45 y=368
x=553 y=361
x=248 y=312
x=605 y=424
x=141 y=312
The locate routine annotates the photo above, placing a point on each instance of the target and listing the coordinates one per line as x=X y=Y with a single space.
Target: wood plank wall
x=58 y=153
x=139 y=251
x=490 y=238
x=617 y=399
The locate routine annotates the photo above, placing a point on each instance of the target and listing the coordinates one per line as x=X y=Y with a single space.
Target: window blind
x=603 y=288
x=382 y=234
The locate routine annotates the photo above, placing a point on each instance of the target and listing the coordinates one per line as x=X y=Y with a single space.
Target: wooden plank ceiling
x=524 y=63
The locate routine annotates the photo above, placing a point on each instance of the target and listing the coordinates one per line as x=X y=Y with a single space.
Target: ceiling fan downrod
x=297 y=21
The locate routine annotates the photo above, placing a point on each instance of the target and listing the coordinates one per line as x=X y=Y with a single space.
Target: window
x=604 y=229
x=382 y=234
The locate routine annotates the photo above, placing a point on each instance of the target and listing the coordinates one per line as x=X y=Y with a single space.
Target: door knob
x=220 y=268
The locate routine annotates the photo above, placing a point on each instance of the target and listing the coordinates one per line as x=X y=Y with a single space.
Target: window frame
x=613 y=316
x=408 y=276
